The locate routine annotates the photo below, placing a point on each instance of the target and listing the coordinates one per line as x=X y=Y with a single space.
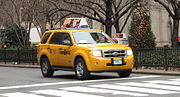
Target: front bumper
x=105 y=64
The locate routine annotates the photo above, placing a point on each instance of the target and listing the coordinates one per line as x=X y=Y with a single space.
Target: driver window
x=66 y=38
x=59 y=38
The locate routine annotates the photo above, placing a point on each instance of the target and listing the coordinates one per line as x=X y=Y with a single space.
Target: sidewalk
x=158 y=72
x=139 y=71
x=22 y=65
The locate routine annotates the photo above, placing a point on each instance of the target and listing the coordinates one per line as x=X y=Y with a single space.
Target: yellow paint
x=64 y=55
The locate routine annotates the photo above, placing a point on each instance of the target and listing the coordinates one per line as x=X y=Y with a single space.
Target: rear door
x=54 y=45
x=43 y=46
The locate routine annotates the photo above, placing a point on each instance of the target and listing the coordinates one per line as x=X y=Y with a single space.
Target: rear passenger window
x=56 y=38
x=45 y=38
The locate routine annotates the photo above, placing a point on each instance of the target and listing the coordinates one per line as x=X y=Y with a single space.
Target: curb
x=19 y=66
x=156 y=72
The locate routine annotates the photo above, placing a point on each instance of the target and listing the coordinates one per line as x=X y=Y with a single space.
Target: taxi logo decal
x=65 y=52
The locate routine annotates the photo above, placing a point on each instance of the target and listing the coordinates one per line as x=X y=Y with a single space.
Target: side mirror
x=67 y=42
x=115 y=41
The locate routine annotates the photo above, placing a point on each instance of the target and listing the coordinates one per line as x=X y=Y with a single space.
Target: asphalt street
x=28 y=82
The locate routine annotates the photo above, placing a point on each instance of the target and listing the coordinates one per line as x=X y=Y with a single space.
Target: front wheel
x=46 y=69
x=124 y=73
x=81 y=70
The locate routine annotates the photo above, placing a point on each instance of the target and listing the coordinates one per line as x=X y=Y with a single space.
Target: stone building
x=160 y=22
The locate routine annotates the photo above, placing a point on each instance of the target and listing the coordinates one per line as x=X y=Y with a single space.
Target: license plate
x=117 y=61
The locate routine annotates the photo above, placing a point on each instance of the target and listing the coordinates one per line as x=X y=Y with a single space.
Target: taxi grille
x=114 y=53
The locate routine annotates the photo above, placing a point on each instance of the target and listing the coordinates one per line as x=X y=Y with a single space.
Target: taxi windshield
x=91 y=37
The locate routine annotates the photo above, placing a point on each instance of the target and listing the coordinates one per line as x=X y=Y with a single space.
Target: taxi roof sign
x=75 y=23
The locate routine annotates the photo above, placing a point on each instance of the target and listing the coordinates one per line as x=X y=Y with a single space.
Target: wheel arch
x=77 y=57
x=42 y=56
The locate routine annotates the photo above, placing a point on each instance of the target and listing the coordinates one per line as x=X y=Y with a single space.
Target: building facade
x=160 y=24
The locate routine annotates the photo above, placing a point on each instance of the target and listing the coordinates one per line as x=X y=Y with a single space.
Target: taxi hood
x=105 y=46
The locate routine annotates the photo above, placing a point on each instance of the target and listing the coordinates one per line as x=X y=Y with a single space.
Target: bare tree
x=107 y=12
x=120 y=4
x=54 y=15
x=23 y=13
x=12 y=10
x=173 y=8
x=6 y=13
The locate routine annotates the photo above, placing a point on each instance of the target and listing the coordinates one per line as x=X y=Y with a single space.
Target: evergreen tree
x=140 y=33
x=11 y=35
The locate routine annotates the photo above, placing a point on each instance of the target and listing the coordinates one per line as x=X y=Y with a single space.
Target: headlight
x=96 y=53
x=129 y=52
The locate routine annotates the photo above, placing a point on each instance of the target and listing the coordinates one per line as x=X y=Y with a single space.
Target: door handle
x=49 y=48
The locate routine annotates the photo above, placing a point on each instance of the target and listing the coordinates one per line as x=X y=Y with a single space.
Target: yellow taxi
x=121 y=41
x=83 y=51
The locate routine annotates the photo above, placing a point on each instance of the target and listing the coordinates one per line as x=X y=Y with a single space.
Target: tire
x=46 y=69
x=125 y=73
x=81 y=70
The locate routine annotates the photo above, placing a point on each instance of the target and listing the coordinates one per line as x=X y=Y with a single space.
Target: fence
x=157 y=57
x=18 y=56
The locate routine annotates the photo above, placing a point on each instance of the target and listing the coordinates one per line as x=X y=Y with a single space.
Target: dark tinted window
x=45 y=38
x=59 y=38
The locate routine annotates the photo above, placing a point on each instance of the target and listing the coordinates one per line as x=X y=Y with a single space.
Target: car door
x=54 y=45
x=60 y=45
x=65 y=50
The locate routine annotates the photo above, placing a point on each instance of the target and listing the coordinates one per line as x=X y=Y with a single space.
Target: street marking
x=63 y=93
x=72 y=82
x=135 y=89
x=164 y=82
x=175 y=79
x=95 y=90
x=19 y=94
x=149 y=85
x=138 y=89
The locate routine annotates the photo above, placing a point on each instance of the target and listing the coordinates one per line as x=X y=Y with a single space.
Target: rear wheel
x=46 y=69
x=125 y=73
x=81 y=69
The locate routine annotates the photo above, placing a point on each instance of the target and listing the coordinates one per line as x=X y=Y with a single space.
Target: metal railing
x=18 y=56
x=155 y=57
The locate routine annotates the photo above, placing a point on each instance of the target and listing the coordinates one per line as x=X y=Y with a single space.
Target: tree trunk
x=174 y=35
x=117 y=27
x=27 y=42
x=108 y=29
x=109 y=13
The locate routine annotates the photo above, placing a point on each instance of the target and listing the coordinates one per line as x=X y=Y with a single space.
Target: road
x=28 y=82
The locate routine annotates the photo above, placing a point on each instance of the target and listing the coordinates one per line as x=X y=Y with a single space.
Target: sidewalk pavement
x=139 y=71
x=157 y=72
x=22 y=65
